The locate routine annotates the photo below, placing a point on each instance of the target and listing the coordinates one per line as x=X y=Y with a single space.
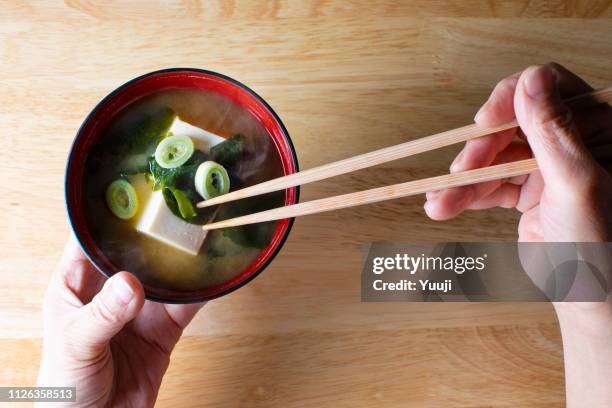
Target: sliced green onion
x=174 y=151
x=211 y=180
x=121 y=199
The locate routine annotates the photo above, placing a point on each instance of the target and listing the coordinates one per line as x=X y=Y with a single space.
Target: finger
x=528 y=229
x=547 y=122
x=72 y=251
x=430 y=195
x=518 y=180
x=531 y=192
x=522 y=192
x=506 y=196
x=71 y=256
x=449 y=203
x=568 y=83
x=452 y=202
x=499 y=108
x=75 y=280
x=477 y=153
x=119 y=301
x=482 y=151
x=592 y=123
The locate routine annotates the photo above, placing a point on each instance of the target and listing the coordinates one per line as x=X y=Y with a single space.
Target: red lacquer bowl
x=175 y=78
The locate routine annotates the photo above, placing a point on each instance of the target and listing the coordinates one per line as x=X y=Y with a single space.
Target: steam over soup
x=158 y=158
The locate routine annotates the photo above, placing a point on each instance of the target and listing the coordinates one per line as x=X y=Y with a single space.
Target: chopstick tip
x=204 y=204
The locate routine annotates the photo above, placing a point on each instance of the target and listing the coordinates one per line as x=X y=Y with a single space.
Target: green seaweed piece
x=181 y=179
x=185 y=207
x=220 y=245
x=171 y=202
x=139 y=144
x=181 y=176
x=229 y=152
x=179 y=203
x=251 y=235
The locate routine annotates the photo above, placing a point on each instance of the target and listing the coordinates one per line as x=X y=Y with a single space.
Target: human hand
x=101 y=336
x=569 y=199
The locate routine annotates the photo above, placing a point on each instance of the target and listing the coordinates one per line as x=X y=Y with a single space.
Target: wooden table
x=345 y=77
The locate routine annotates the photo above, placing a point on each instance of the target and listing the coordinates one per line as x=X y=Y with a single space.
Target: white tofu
x=202 y=139
x=157 y=221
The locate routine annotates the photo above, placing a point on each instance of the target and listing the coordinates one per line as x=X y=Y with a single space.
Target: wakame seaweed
x=185 y=207
x=228 y=153
x=178 y=188
x=181 y=176
x=139 y=144
x=177 y=183
x=251 y=235
x=181 y=205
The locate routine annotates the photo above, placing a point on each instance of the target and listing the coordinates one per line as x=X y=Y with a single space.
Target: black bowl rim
x=201 y=71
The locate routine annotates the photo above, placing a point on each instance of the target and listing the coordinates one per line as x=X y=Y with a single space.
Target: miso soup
x=138 y=160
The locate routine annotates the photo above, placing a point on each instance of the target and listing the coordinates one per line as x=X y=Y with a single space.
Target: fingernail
x=539 y=81
x=123 y=291
x=456 y=164
x=480 y=112
x=431 y=195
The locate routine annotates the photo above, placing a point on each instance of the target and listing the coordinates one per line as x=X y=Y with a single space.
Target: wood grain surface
x=346 y=77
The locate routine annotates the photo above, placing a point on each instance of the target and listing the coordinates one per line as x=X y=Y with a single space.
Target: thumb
x=547 y=122
x=119 y=301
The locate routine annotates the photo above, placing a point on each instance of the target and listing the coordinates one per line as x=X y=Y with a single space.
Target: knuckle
x=557 y=122
x=73 y=339
x=559 y=136
x=506 y=85
x=102 y=312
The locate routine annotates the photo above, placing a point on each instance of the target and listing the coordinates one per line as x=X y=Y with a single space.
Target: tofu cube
x=202 y=139
x=157 y=221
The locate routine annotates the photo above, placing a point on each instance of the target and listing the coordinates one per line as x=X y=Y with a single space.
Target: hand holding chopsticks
x=383 y=156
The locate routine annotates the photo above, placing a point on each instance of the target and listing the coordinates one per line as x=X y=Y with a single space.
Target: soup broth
x=225 y=253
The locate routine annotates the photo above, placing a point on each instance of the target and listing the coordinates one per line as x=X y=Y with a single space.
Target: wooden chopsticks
x=383 y=156
x=384 y=193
